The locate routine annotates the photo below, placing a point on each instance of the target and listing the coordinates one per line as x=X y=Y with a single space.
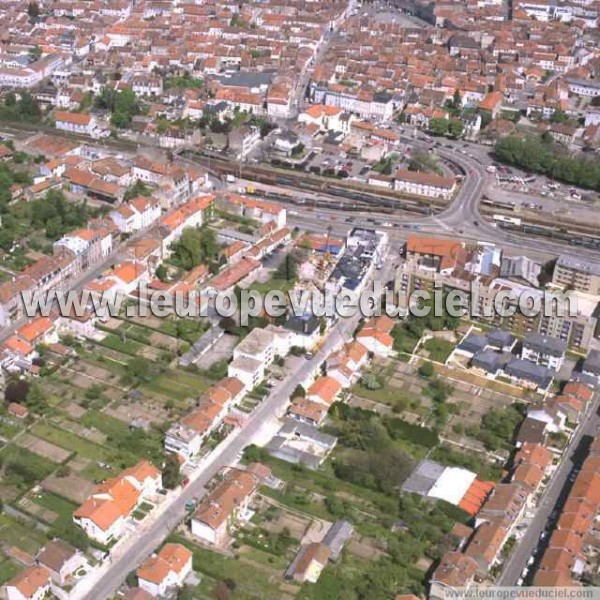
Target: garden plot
x=73 y=488
x=44 y=514
x=74 y=410
x=137 y=410
x=161 y=340
x=43 y=448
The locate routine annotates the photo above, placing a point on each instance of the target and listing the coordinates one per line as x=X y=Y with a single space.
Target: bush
x=426 y=370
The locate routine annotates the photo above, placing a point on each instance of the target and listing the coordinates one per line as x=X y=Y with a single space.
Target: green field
x=24 y=537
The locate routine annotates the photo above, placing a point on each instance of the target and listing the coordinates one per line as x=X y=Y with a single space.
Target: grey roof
x=277 y=448
x=249 y=80
x=545 y=344
x=489 y=360
x=578 y=264
x=473 y=343
x=305 y=324
x=500 y=338
x=336 y=537
x=592 y=362
x=524 y=369
x=292 y=427
x=202 y=345
x=532 y=431
x=422 y=479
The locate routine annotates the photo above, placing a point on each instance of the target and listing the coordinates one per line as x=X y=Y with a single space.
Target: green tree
x=33 y=9
x=138 y=370
x=438 y=126
x=299 y=392
x=125 y=107
x=161 y=272
x=36 y=52
x=559 y=116
x=171 y=472
x=426 y=369
x=424 y=162
x=455 y=128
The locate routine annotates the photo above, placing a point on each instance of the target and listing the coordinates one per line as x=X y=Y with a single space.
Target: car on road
x=309 y=356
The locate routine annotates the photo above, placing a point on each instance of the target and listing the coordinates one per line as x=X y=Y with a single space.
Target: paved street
x=571 y=457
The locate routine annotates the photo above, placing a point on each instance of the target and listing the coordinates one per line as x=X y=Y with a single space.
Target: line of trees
x=541 y=154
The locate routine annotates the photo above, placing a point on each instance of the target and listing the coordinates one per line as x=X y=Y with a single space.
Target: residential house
x=309 y=563
x=62 y=560
x=33 y=583
x=139 y=213
x=103 y=515
x=224 y=506
x=543 y=350
x=430 y=185
x=165 y=571
x=456 y=571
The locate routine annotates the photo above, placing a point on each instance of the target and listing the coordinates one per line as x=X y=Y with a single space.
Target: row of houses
x=502 y=513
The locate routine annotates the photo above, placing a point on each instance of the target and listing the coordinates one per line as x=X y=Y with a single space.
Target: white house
x=429 y=185
x=33 y=583
x=79 y=123
x=249 y=371
x=103 y=515
x=166 y=570
x=62 y=560
x=224 y=506
x=139 y=213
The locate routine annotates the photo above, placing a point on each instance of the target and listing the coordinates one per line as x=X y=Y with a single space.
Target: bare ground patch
x=43 y=448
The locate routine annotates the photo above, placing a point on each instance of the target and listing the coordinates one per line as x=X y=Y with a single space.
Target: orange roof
x=172 y=557
x=18 y=345
x=102 y=512
x=221 y=502
x=491 y=101
x=69 y=117
x=35 y=329
x=432 y=246
x=30 y=580
x=308 y=409
x=319 y=110
x=176 y=555
x=129 y=271
x=326 y=388
x=381 y=336
x=141 y=471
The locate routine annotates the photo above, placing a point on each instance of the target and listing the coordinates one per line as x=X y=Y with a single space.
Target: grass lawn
x=8 y=430
x=385 y=395
x=24 y=537
x=98 y=360
x=178 y=385
x=439 y=350
x=26 y=468
x=251 y=583
x=56 y=504
x=189 y=329
x=8 y=569
x=404 y=340
x=125 y=346
x=70 y=441
x=272 y=284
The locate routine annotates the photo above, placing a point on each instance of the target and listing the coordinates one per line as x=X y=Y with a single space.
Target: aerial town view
x=299 y=300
